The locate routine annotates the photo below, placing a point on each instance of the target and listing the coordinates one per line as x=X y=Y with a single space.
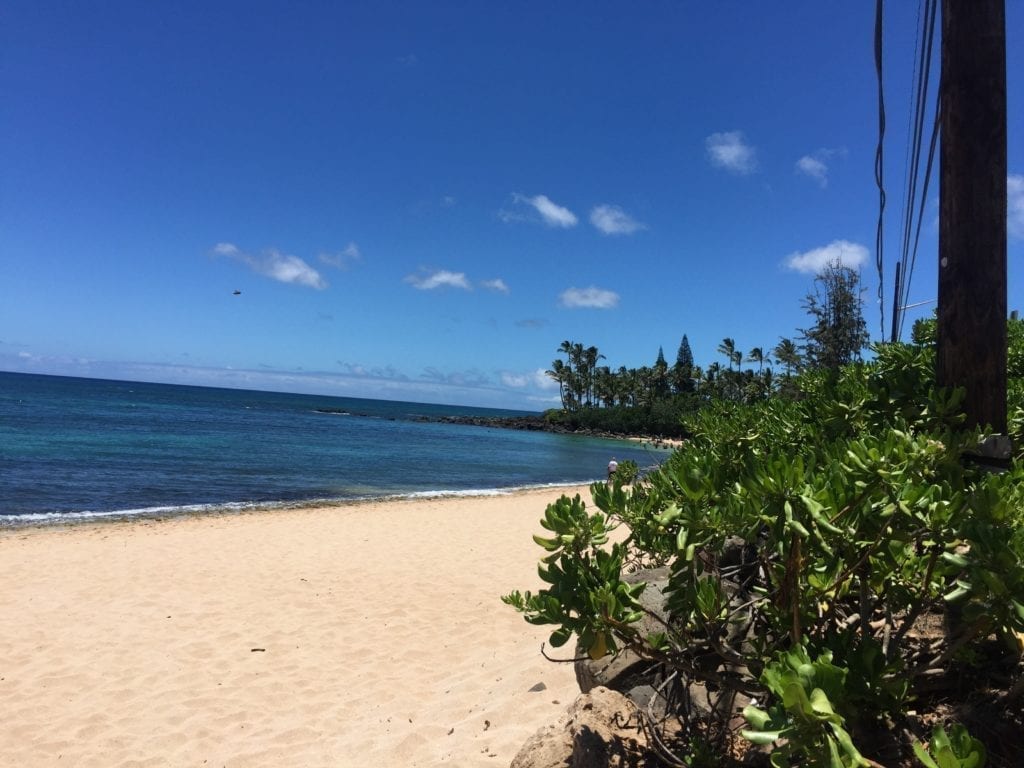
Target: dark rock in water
x=600 y=729
x=533 y=423
x=529 y=423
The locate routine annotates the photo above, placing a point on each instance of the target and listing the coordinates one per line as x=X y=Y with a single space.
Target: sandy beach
x=367 y=634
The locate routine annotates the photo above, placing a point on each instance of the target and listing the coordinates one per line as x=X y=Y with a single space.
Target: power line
x=920 y=215
x=908 y=257
x=878 y=164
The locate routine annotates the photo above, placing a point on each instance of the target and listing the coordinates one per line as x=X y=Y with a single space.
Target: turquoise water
x=79 y=448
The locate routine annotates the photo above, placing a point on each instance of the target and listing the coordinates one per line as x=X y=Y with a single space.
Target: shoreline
x=17 y=522
x=353 y=634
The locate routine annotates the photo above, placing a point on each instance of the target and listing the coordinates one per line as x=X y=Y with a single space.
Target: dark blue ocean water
x=79 y=448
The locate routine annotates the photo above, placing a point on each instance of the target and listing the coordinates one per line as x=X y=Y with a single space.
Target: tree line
x=653 y=398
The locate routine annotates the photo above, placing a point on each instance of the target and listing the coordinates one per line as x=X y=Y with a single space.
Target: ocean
x=77 y=449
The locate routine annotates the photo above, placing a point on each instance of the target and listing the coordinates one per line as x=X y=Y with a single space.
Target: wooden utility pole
x=972 y=209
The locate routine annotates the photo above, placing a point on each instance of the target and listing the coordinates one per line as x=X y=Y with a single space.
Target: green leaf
x=763 y=737
x=1018 y=608
x=953 y=559
x=834 y=761
x=549 y=544
x=797 y=526
x=961 y=591
x=924 y=757
x=560 y=637
x=756 y=717
x=820 y=703
x=681 y=539
x=847 y=744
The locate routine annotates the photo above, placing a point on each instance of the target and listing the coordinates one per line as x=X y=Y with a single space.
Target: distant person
x=613 y=467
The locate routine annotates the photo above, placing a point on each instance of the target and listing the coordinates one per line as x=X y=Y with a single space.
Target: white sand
x=384 y=641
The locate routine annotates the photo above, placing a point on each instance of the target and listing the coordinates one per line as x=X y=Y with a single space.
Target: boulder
x=625 y=670
x=601 y=729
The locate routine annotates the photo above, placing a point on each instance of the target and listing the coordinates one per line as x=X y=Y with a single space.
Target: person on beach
x=613 y=465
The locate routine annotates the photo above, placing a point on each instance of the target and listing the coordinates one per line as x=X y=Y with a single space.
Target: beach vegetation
x=843 y=574
x=658 y=400
x=626 y=473
x=839 y=332
x=682 y=371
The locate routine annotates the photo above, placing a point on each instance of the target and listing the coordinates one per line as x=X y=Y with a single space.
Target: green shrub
x=857 y=519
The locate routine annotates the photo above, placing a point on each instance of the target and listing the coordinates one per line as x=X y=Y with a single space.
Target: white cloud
x=612 y=220
x=815 y=260
x=344 y=258
x=439 y=279
x=1015 y=206
x=813 y=167
x=816 y=164
x=282 y=267
x=729 y=150
x=551 y=213
x=541 y=380
x=596 y=298
x=515 y=380
x=286 y=268
x=497 y=284
x=538 y=379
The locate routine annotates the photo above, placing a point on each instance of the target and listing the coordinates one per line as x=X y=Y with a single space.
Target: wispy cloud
x=514 y=380
x=441 y=278
x=497 y=284
x=814 y=168
x=360 y=371
x=838 y=251
x=816 y=165
x=282 y=267
x=551 y=213
x=531 y=322
x=612 y=220
x=592 y=298
x=538 y=379
x=409 y=60
x=1015 y=206
x=470 y=378
x=729 y=150
x=344 y=258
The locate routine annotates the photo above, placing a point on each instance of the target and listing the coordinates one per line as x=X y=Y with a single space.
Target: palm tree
x=627 y=386
x=590 y=357
x=756 y=355
x=579 y=381
x=558 y=373
x=728 y=350
x=708 y=378
x=573 y=375
x=737 y=357
x=787 y=354
x=604 y=386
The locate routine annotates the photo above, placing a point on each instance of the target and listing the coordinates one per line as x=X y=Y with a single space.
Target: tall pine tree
x=682 y=371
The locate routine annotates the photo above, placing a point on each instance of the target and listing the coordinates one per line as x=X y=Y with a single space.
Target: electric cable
x=879 y=180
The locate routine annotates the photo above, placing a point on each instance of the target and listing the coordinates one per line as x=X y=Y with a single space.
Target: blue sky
x=421 y=201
